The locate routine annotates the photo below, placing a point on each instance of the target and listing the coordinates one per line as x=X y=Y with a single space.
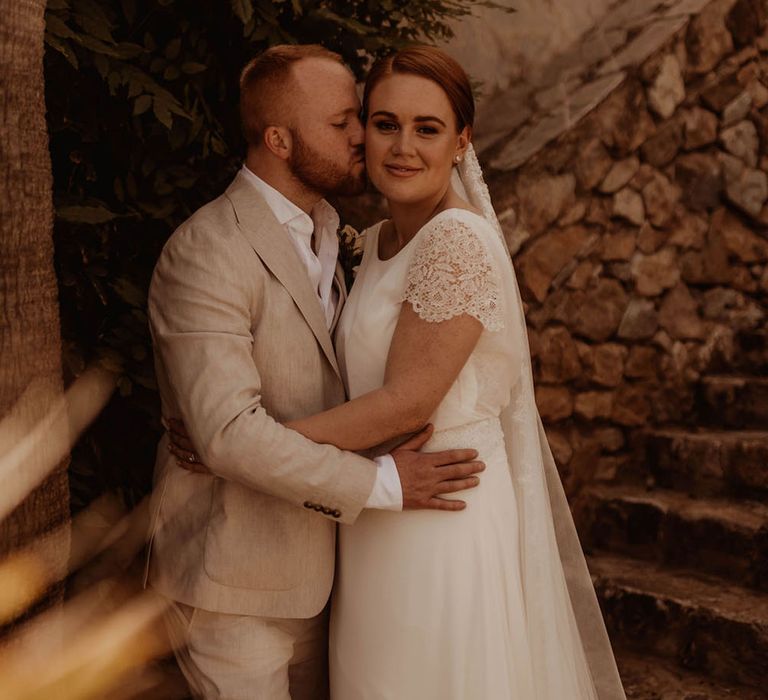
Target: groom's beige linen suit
x=241 y=345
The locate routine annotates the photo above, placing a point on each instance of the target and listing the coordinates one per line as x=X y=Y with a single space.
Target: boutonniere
x=351 y=245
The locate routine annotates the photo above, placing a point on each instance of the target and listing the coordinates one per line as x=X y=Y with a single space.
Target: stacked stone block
x=640 y=236
x=639 y=232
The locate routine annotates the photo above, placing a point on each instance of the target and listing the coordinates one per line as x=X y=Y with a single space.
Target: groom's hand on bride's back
x=426 y=477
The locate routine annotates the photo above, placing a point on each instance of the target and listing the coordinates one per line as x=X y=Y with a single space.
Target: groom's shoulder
x=211 y=229
x=216 y=217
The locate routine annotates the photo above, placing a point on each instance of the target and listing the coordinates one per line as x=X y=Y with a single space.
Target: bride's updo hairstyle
x=435 y=65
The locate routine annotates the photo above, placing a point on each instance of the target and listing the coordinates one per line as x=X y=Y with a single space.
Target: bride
x=494 y=602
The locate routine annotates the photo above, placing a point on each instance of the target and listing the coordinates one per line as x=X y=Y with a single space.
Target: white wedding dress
x=432 y=605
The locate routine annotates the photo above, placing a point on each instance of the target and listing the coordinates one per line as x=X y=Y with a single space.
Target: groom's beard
x=320 y=174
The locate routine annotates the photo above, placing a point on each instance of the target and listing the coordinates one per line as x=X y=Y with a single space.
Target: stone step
x=753 y=347
x=708 y=462
x=654 y=678
x=702 y=623
x=733 y=401
x=748 y=353
x=724 y=537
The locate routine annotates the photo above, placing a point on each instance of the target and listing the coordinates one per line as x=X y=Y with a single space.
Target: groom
x=242 y=305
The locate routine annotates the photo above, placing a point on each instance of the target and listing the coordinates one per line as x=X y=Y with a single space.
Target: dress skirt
x=428 y=605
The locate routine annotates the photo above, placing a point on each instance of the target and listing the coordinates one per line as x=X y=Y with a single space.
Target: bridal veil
x=565 y=626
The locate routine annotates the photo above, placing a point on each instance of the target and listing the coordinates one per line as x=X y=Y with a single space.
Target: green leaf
x=176 y=108
x=102 y=64
x=138 y=352
x=147 y=382
x=93 y=20
x=141 y=104
x=267 y=9
x=111 y=360
x=119 y=189
x=58 y=27
x=192 y=68
x=162 y=113
x=347 y=23
x=129 y=292
x=97 y=46
x=134 y=88
x=298 y=10
x=129 y=10
x=98 y=270
x=172 y=49
x=130 y=185
x=128 y=49
x=243 y=9
x=218 y=145
x=113 y=81
x=124 y=386
x=158 y=64
x=171 y=73
x=63 y=48
x=85 y=215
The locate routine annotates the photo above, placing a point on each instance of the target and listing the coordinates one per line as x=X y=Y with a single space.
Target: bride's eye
x=427 y=130
x=384 y=125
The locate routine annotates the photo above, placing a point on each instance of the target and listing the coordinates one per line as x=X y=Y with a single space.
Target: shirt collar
x=289 y=214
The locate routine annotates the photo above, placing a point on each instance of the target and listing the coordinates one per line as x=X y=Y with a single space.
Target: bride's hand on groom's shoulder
x=426 y=477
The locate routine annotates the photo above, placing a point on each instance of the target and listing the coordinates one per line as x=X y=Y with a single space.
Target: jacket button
x=336 y=513
x=317 y=508
x=307 y=504
x=327 y=511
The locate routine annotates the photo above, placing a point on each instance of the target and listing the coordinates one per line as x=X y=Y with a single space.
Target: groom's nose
x=357 y=133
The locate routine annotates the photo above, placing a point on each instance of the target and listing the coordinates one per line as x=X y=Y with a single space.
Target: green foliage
x=142 y=114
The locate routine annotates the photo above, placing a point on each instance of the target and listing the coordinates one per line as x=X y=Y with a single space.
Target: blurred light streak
x=30 y=457
x=107 y=643
x=103 y=528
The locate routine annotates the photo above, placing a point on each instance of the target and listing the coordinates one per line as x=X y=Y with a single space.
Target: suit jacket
x=241 y=344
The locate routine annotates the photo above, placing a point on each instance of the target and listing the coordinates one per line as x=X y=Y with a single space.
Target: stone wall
x=640 y=234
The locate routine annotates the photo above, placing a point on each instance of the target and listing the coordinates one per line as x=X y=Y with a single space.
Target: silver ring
x=191 y=459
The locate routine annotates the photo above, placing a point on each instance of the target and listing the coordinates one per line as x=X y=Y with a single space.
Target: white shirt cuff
x=387 y=493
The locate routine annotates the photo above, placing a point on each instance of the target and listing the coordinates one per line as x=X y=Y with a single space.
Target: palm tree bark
x=30 y=341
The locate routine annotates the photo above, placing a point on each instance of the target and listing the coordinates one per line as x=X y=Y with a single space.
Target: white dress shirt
x=387 y=493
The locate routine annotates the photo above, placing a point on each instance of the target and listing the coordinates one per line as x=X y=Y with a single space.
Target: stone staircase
x=679 y=551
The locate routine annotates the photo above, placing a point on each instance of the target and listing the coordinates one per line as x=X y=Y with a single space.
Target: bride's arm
x=424 y=360
x=452 y=293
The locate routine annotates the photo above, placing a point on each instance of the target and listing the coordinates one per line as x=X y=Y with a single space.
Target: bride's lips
x=401 y=170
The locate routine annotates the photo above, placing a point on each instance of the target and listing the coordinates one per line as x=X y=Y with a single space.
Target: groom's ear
x=278 y=140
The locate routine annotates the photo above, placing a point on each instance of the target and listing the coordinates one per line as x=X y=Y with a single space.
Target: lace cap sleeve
x=451 y=274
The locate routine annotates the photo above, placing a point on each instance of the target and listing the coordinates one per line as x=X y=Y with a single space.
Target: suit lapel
x=272 y=244
x=341 y=288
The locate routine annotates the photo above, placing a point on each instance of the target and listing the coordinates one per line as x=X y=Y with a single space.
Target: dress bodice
x=446 y=269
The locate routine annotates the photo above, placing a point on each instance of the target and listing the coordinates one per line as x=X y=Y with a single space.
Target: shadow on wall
x=499 y=48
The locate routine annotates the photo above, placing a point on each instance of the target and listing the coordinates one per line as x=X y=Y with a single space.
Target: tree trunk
x=30 y=341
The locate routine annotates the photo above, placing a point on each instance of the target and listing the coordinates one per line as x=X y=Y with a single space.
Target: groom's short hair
x=263 y=84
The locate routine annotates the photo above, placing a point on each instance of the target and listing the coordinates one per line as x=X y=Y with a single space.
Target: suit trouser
x=244 y=657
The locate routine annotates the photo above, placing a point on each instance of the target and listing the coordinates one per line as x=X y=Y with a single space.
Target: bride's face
x=411 y=139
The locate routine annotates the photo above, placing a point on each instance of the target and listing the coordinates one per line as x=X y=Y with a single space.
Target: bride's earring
x=457 y=158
